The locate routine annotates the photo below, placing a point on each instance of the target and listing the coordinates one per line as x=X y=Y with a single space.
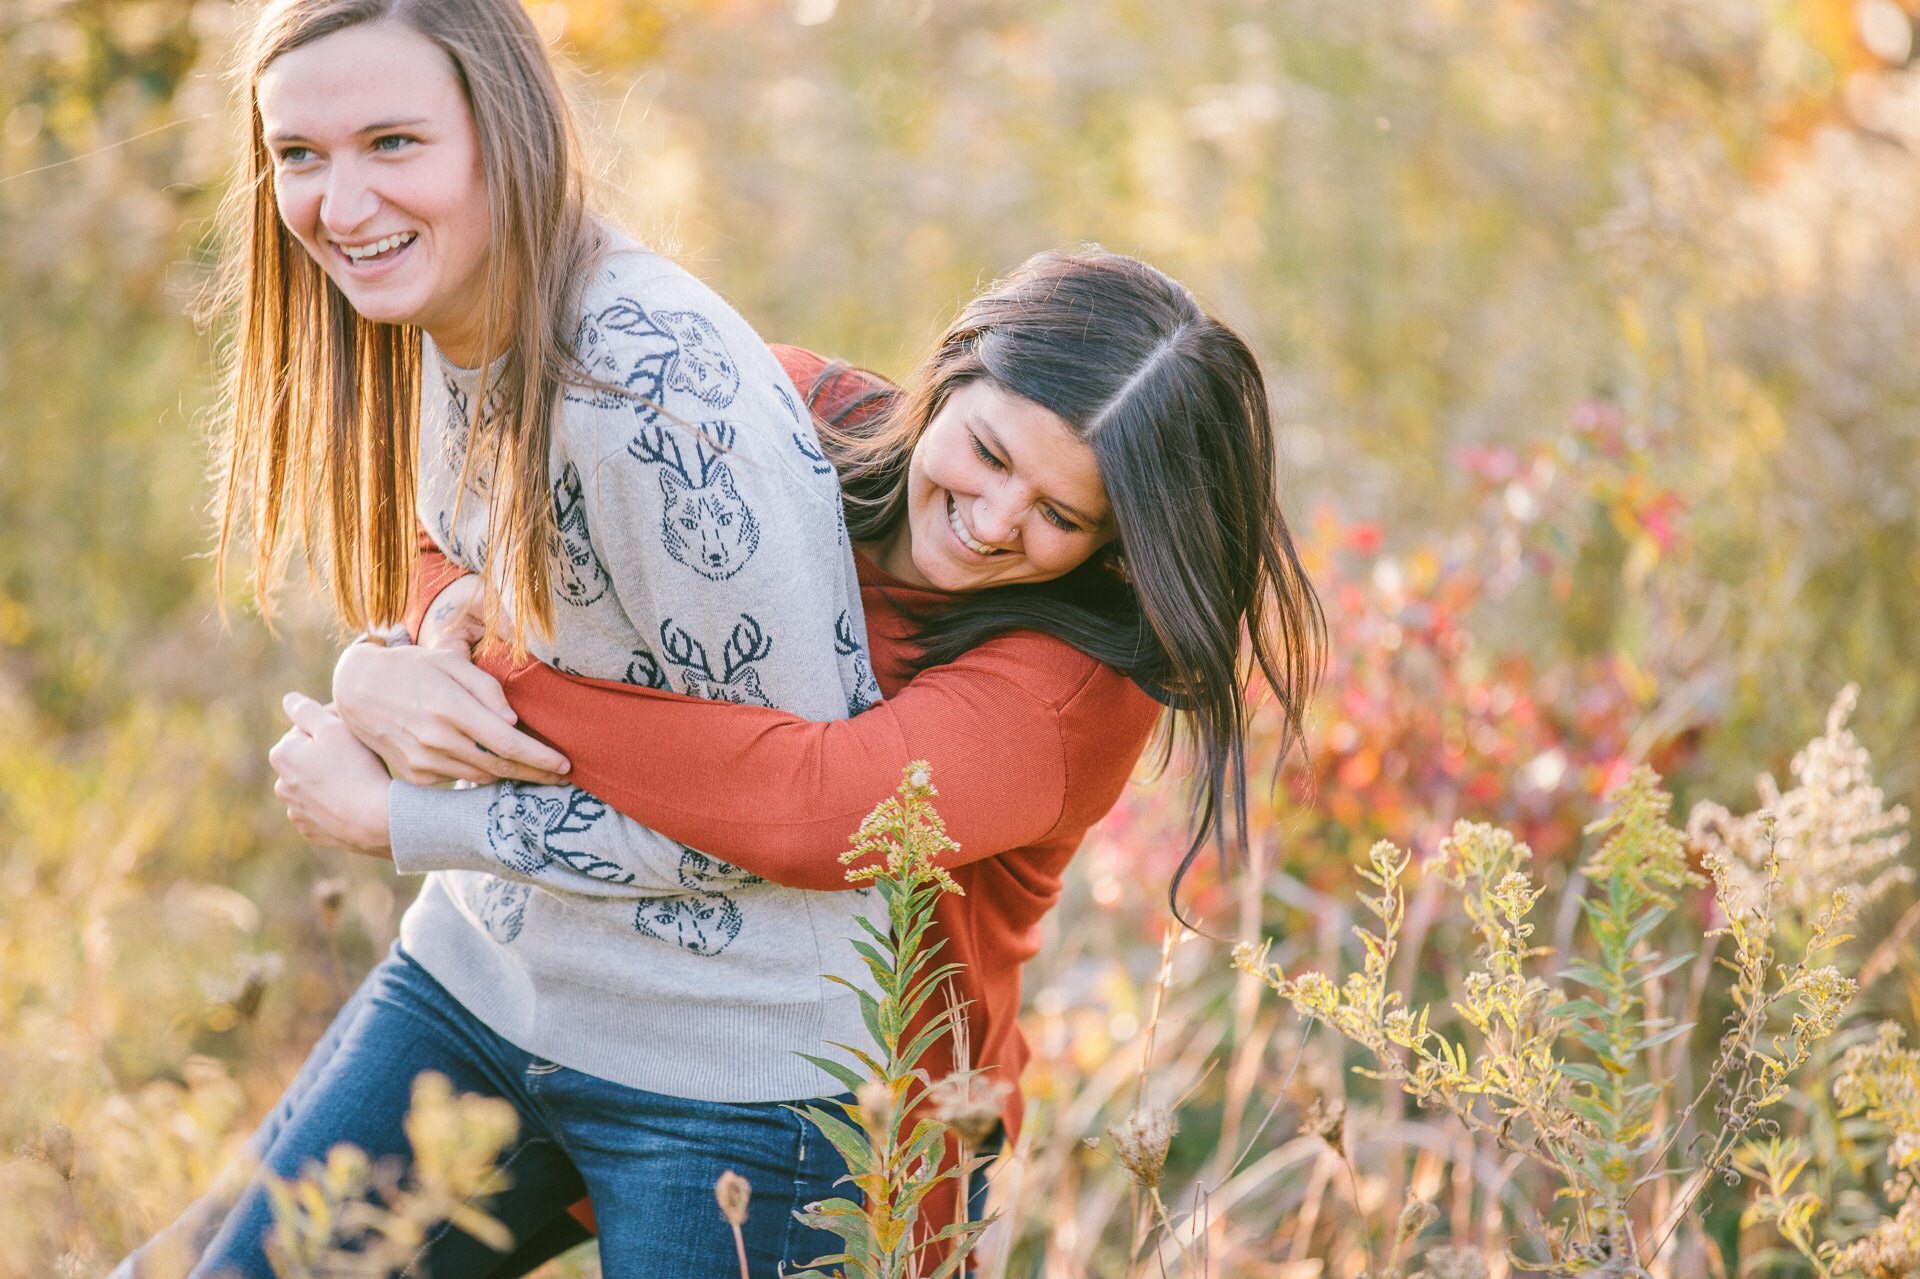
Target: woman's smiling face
x=376 y=170
x=999 y=491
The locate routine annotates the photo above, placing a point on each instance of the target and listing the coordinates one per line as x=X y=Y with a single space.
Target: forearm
x=559 y=837
x=779 y=795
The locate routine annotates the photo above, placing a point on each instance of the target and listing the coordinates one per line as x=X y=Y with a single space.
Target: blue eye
x=295 y=155
x=397 y=141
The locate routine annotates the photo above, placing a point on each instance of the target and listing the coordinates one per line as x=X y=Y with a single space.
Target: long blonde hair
x=321 y=416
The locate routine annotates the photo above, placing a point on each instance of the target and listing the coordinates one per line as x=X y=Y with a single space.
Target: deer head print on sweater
x=530 y=828
x=737 y=681
x=853 y=654
x=635 y=357
x=704 y=522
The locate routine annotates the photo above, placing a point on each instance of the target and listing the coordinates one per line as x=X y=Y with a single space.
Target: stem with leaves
x=895 y=1148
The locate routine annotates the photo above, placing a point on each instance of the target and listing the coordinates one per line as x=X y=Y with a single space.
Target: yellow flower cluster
x=903 y=836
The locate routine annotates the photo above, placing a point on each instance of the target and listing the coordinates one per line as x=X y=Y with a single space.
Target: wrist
x=375 y=838
x=354 y=677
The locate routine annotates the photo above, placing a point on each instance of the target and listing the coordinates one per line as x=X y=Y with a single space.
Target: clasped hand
x=334 y=788
x=424 y=713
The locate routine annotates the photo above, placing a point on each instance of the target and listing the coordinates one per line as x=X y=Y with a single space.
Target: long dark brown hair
x=1201 y=592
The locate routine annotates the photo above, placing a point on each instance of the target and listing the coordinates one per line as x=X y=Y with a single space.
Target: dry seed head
x=329 y=895
x=1415 y=1217
x=1326 y=1120
x=1832 y=826
x=1142 y=1141
x=733 y=1191
x=969 y=1104
x=1888 y=1252
x=55 y=1146
x=239 y=997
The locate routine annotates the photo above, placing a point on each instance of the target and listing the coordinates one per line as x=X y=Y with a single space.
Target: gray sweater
x=704 y=551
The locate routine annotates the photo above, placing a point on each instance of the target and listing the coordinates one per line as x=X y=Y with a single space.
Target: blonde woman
x=612 y=450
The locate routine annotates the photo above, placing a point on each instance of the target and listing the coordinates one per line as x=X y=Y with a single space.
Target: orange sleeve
x=779 y=795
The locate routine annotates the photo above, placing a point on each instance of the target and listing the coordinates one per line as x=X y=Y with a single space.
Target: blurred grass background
x=1459 y=234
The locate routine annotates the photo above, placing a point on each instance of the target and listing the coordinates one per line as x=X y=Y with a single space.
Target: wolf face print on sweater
x=704 y=920
x=709 y=528
x=582 y=580
x=531 y=829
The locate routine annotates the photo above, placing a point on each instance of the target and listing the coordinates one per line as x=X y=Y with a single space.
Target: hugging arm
x=1018 y=750
x=427 y=711
x=1019 y=747
x=434 y=716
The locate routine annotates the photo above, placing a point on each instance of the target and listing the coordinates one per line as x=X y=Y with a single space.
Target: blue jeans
x=565 y=1232
x=648 y=1161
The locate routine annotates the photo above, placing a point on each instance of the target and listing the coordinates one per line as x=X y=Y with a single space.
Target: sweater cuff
x=435 y=828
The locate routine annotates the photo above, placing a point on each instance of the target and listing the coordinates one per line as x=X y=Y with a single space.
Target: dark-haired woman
x=1071 y=506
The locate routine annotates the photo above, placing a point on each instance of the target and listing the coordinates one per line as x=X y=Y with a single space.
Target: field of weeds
x=1591 y=327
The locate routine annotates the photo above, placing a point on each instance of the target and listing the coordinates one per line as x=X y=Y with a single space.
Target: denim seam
x=795 y=1202
x=558 y=1129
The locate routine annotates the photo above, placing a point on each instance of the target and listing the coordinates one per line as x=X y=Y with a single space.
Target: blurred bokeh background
x=1593 y=326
